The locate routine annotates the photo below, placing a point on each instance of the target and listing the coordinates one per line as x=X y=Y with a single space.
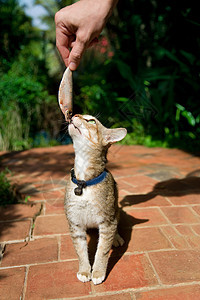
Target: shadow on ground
x=172 y=187
x=38 y=160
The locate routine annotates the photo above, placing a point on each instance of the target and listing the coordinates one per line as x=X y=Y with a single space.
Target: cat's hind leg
x=118 y=240
x=79 y=239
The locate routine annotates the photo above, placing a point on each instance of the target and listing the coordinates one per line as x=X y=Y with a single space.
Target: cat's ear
x=114 y=135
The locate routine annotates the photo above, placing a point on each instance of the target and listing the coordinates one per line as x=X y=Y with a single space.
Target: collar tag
x=78 y=191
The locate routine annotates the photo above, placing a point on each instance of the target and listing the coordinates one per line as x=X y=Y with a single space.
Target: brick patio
x=159 y=196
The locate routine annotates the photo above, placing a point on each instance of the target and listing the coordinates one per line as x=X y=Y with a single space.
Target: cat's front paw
x=98 y=277
x=84 y=276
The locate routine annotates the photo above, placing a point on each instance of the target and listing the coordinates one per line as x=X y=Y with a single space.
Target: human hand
x=78 y=27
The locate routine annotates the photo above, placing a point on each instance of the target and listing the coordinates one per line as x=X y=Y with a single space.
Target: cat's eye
x=91 y=121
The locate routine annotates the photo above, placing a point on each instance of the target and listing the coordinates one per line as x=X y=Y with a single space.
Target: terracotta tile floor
x=159 y=196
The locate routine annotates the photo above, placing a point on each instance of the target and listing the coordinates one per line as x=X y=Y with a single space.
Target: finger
x=76 y=54
x=62 y=43
x=92 y=43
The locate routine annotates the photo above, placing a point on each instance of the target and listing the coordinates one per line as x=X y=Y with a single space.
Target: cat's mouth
x=75 y=127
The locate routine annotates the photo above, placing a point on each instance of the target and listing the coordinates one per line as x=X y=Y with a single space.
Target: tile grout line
x=158 y=206
x=101 y=294
x=133 y=297
x=93 y=292
x=129 y=291
x=194 y=212
x=59 y=247
x=54 y=235
x=132 y=290
x=30 y=231
x=35 y=237
x=172 y=204
x=76 y=259
x=39 y=264
x=166 y=236
x=182 y=236
x=14 y=241
x=51 y=215
x=165 y=225
x=25 y=283
x=165 y=217
x=50 y=236
x=34 y=221
x=194 y=232
x=153 y=268
x=129 y=184
x=166 y=286
x=44 y=209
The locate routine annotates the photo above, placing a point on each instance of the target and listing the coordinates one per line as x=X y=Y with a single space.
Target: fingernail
x=72 y=66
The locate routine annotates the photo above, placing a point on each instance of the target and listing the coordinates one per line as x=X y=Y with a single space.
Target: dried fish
x=65 y=94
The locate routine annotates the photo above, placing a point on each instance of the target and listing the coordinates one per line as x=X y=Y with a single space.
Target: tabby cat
x=91 y=194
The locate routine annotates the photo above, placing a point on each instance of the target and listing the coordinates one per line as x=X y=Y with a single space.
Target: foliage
x=152 y=79
x=143 y=75
x=22 y=109
x=16 y=32
x=26 y=106
x=7 y=190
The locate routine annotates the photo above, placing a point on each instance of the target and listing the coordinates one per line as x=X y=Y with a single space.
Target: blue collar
x=82 y=183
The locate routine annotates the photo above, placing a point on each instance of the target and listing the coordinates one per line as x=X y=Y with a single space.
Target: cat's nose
x=77 y=120
x=77 y=115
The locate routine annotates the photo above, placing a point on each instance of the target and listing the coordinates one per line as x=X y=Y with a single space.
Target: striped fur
x=97 y=207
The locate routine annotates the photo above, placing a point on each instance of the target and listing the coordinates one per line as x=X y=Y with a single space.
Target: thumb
x=76 y=54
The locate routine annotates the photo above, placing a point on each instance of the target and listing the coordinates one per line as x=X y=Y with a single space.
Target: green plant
x=27 y=103
x=27 y=198
x=143 y=75
x=16 y=32
x=20 y=104
x=7 y=190
x=23 y=109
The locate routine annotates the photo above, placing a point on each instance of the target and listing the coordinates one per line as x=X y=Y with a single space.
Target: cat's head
x=88 y=131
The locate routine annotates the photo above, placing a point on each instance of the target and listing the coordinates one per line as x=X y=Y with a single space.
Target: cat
x=94 y=205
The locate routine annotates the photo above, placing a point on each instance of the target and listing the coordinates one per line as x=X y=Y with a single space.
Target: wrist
x=104 y=7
